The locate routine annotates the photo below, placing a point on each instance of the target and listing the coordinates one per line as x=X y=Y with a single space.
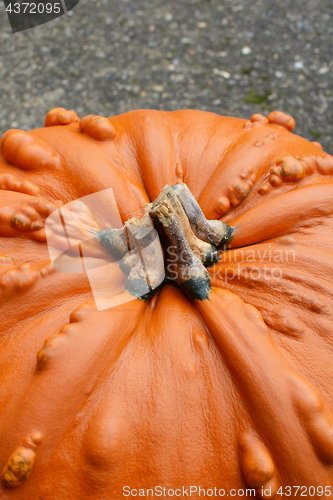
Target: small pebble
x=246 y=51
x=158 y=88
x=298 y=65
x=224 y=74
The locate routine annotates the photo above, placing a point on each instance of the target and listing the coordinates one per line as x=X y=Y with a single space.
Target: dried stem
x=172 y=241
x=215 y=232
x=148 y=272
x=183 y=265
x=114 y=241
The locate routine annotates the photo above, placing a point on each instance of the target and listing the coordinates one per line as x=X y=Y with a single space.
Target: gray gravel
x=232 y=57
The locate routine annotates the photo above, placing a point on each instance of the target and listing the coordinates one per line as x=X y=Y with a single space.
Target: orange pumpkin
x=231 y=389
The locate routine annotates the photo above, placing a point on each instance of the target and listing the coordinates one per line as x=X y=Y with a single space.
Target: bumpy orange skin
x=232 y=392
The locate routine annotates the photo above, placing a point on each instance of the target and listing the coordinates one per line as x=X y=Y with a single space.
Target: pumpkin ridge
x=266 y=219
x=60 y=370
x=272 y=183
x=242 y=351
x=224 y=184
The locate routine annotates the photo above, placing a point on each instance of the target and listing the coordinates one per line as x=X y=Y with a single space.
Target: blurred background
x=231 y=57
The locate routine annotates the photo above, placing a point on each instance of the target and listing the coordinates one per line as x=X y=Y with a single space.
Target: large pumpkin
x=231 y=388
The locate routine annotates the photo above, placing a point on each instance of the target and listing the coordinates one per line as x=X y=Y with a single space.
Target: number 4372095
x=34 y=8
x=305 y=491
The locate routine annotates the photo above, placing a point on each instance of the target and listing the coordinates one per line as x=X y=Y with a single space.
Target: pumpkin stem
x=184 y=252
x=129 y=261
x=145 y=261
x=114 y=241
x=188 y=242
x=215 y=232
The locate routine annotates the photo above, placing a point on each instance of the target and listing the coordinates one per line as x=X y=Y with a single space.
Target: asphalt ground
x=232 y=57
